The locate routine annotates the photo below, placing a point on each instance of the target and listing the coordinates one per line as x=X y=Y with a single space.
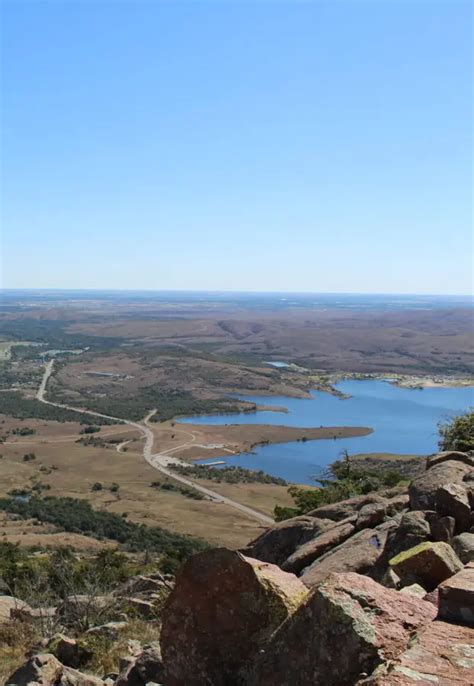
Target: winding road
x=159 y=461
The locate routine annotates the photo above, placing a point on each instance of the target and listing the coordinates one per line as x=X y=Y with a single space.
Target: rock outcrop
x=339 y=511
x=9 y=606
x=142 y=585
x=223 y=607
x=359 y=553
x=146 y=667
x=308 y=552
x=46 y=670
x=427 y=563
x=463 y=546
x=362 y=534
x=456 y=597
x=346 y=627
x=423 y=489
x=440 y=654
x=40 y=670
x=449 y=456
x=280 y=541
x=452 y=500
x=70 y=652
x=412 y=529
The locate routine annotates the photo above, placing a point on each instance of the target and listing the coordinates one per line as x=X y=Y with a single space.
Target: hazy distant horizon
x=14 y=298
x=67 y=289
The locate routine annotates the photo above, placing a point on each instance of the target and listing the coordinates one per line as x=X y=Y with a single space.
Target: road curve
x=158 y=461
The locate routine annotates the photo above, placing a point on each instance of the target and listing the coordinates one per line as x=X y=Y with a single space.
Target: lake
x=404 y=422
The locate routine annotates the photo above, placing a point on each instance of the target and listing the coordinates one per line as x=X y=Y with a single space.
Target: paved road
x=159 y=461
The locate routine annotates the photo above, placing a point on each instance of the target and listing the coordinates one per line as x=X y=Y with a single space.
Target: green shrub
x=231 y=475
x=458 y=434
x=184 y=490
x=345 y=480
x=23 y=431
x=90 y=429
x=77 y=516
x=15 y=405
x=168 y=404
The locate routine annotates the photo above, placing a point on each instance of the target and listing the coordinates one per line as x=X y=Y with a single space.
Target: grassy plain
x=67 y=468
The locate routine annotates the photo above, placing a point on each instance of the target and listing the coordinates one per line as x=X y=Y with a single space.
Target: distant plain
x=191 y=354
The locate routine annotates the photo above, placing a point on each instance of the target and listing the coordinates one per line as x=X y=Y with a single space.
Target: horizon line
x=233 y=292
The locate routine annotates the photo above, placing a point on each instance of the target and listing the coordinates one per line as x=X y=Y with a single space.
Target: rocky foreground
x=377 y=590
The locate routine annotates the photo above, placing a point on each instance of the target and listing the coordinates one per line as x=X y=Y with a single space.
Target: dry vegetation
x=15 y=638
x=203 y=441
x=32 y=534
x=67 y=468
x=131 y=374
x=334 y=340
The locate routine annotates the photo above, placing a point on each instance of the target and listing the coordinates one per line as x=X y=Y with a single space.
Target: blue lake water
x=404 y=422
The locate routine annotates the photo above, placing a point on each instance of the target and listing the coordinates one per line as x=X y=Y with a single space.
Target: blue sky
x=291 y=146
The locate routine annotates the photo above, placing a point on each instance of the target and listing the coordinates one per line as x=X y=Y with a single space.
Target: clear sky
x=290 y=146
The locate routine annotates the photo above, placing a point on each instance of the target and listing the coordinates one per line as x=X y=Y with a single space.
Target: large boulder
x=423 y=489
x=127 y=660
x=10 y=606
x=344 y=509
x=310 y=551
x=373 y=514
x=468 y=479
x=463 y=546
x=276 y=544
x=148 y=666
x=370 y=515
x=71 y=677
x=450 y=456
x=428 y=564
x=412 y=529
x=442 y=528
x=39 y=670
x=223 y=608
x=46 y=670
x=359 y=553
x=70 y=652
x=453 y=500
x=109 y=631
x=456 y=597
x=139 y=585
x=346 y=627
x=415 y=590
x=440 y=654
x=137 y=607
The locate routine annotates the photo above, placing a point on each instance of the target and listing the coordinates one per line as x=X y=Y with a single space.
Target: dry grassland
x=71 y=469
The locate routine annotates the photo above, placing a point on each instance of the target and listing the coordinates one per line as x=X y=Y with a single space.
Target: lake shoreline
x=213 y=442
x=411 y=381
x=404 y=421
